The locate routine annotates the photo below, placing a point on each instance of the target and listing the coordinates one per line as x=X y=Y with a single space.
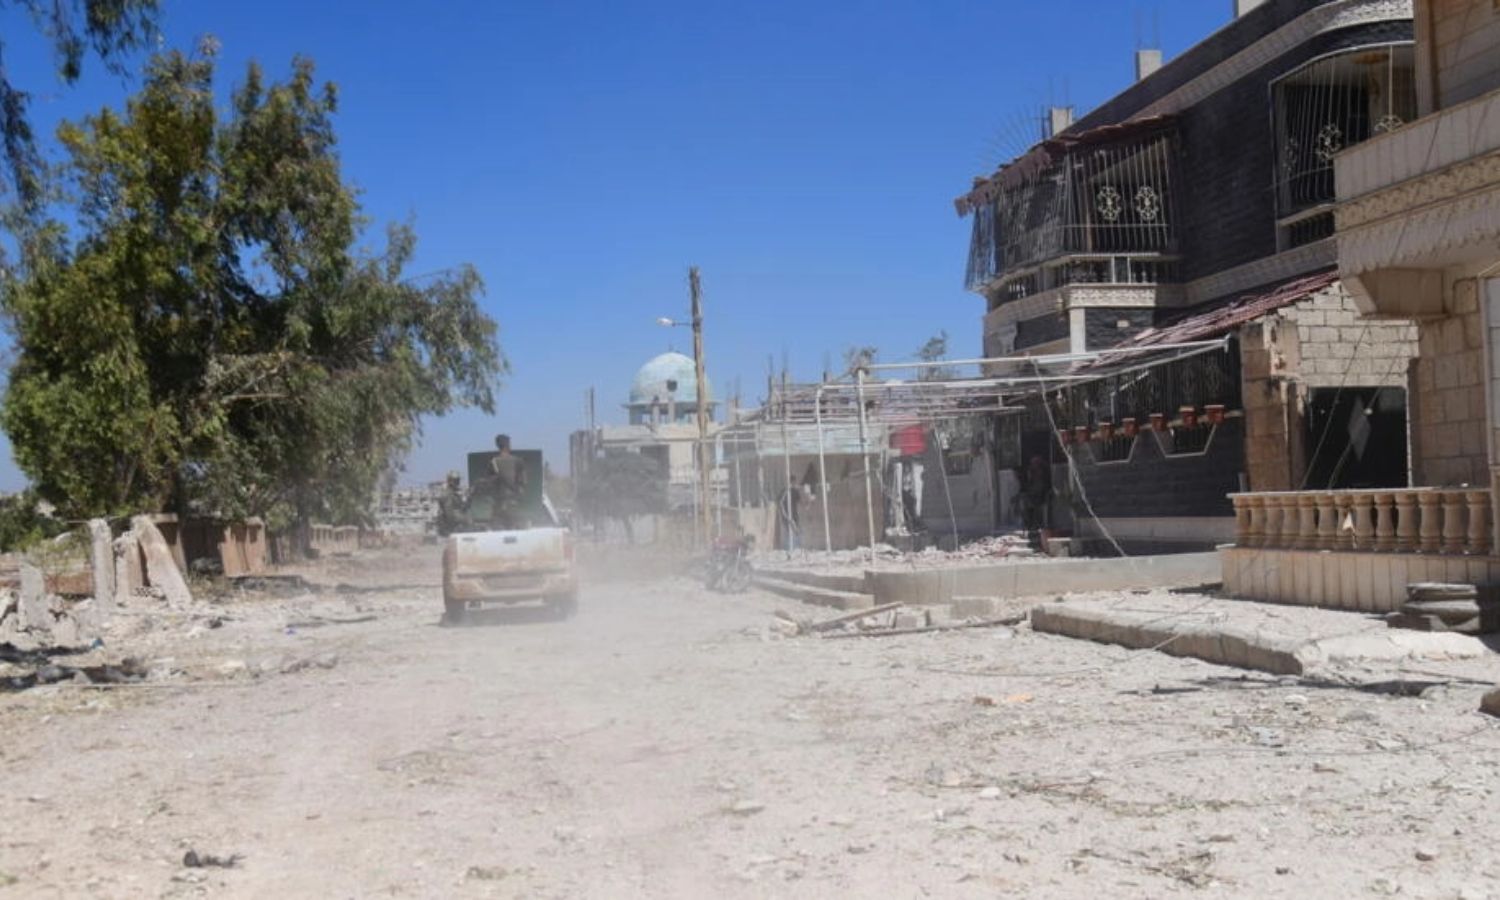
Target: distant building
x=665 y=392
x=1198 y=204
x=662 y=410
x=1418 y=234
x=410 y=510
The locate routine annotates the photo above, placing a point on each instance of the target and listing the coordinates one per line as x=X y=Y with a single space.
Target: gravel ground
x=667 y=743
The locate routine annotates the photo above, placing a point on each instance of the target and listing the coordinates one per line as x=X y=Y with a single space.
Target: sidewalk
x=1283 y=640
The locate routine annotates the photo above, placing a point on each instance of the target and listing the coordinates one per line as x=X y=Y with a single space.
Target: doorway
x=1356 y=438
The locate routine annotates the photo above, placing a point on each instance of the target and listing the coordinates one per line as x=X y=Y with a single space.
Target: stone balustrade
x=1452 y=521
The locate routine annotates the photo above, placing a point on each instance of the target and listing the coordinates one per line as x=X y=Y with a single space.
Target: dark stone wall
x=1031 y=332
x=1226 y=207
x=1153 y=485
x=1102 y=325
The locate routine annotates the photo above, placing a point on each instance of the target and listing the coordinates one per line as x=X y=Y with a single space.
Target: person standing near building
x=789 y=507
x=1036 y=496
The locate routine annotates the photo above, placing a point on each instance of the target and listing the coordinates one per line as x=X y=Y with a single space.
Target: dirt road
x=665 y=744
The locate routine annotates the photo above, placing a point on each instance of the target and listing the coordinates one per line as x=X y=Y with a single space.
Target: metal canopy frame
x=899 y=402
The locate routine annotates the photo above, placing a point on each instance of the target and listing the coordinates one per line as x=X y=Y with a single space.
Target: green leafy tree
x=620 y=486
x=109 y=29
x=23 y=524
x=206 y=336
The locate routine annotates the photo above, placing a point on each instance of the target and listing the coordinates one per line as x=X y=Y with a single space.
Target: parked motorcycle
x=729 y=569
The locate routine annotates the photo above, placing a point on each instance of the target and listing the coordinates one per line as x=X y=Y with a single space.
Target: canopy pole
x=864 y=452
x=822 y=468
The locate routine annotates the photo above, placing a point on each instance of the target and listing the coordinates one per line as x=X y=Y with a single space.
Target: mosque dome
x=651 y=381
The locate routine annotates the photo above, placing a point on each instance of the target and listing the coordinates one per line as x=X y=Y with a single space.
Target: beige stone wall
x=1463 y=37
x=1338 y=348
x=1449 y=443
x=1273 y=452
x=1319 y=343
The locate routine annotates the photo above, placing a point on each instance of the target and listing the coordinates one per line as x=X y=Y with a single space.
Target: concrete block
x=1174 y=636
x=911 y=618
x=1445 y=372
x=161 y=566
x=130 y=573
x=102 y=562
x=806 y=593
x=1471 y=438
x=974 y=607
x=1470 y=369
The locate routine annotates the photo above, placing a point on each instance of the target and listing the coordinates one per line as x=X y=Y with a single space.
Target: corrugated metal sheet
x=1220 y=320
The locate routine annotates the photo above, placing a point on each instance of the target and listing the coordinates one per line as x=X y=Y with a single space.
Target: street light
x=696 y=293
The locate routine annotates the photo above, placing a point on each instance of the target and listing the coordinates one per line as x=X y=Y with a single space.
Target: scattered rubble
x=192 y=859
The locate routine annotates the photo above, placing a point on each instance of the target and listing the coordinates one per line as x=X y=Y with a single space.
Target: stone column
x=1307 y=521
x=1406 y=521
x=1255 y=536
x=1328 y=521
x=102 y=563
x=1241 y=519
x=1431 y=504
x=1362 y=506
x=1274 y=516
x=1479 y=522
x=1385 y=525
x=1454 y=533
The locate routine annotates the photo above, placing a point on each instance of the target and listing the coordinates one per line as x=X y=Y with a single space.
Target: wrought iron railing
x=1195 y=382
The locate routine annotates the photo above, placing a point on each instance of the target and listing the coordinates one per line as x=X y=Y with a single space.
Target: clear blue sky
x=583 y=154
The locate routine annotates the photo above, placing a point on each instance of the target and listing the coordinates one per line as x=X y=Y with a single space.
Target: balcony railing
x=1452 y=521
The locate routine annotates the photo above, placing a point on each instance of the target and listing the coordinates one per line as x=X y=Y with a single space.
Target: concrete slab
x=1266 y=637
x=844 y=600
x=1032 y=578
x=851 y=581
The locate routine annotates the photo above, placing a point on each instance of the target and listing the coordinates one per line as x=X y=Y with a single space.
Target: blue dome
x=651 y=381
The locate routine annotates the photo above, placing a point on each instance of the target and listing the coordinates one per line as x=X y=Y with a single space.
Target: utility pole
x=704 y=482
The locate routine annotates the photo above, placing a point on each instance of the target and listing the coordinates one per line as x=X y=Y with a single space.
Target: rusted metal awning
x=1036 y=160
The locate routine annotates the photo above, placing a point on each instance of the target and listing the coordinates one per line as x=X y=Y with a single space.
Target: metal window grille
x=1104 y=199
x=1331 y=104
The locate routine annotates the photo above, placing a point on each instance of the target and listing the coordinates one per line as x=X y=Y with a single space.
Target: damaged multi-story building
x=1185 y=228
x=1418 y=233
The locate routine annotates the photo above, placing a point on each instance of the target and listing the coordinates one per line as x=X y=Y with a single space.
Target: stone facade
x=1447 y=397
x=1320 y=342
x=1464 y=42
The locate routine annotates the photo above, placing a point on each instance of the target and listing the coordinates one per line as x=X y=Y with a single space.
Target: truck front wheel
x=564 y=606
x=454 y=611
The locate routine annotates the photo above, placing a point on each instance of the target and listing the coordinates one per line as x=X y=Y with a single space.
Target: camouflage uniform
x=453 y=509
x=508 y=488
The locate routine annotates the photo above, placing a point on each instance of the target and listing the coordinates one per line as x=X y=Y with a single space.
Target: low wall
x=240 y=547
x=1031 y=579
x=1335 y=579
x=855 y=582
x=1162 y=535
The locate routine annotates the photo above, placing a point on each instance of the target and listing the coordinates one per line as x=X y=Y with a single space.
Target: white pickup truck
x=508 y=568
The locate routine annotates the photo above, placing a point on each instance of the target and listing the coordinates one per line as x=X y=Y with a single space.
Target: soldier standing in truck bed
x=453 y=508
x=507 y=485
